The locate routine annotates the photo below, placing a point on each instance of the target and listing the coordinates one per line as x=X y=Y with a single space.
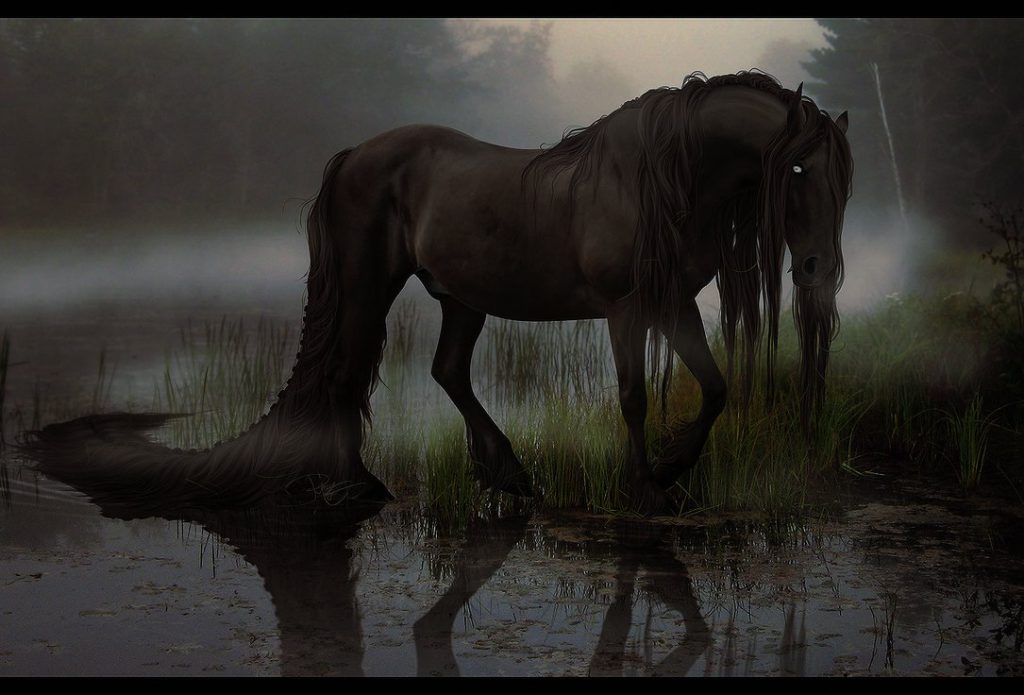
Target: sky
x=600 y=63
x=653 y=52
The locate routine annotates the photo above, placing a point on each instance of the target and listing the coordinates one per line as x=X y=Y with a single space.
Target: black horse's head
x=815 y=174
x=809 y=170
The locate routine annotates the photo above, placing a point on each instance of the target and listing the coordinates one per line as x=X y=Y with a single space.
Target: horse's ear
x=843 y=122
x=796 y=118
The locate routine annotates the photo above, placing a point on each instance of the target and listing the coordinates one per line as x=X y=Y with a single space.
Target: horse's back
x=423 y=144
x=459 y=207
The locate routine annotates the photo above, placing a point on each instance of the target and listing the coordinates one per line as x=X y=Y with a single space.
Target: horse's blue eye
x=797 y=169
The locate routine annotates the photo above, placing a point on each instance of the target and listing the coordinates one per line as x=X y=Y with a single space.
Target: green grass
x=450 y=496
x=574 y=454
x=895 y=375
x=907 y=380
x=523 y=362
x=225 y=376
x=969 y=432
x=395 y=454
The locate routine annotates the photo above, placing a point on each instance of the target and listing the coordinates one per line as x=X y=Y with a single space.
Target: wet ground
x=911 y=582
x=903 y=579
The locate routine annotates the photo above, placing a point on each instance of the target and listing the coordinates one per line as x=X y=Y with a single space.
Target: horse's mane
x=814 y=310
x=750 y=227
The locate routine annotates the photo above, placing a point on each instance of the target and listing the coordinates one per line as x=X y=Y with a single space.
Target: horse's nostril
x=810 y=265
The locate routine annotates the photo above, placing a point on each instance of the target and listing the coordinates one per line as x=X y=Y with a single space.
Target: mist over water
x=555 y=75
x=234 y=265
x=262 y=269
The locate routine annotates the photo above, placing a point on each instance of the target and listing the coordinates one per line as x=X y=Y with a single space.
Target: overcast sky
x=604 y=62
x=656 y=52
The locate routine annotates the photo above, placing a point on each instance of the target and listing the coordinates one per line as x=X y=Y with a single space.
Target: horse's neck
x=736 y=124
x=744 y=116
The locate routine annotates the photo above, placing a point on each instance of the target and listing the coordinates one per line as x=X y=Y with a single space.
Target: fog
x=184 y=181
x=263 y=270
x=230 y=267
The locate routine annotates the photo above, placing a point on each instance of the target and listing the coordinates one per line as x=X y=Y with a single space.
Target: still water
x=910 y=582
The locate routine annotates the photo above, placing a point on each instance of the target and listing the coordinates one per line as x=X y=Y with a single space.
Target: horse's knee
x=633 y=401
x=442 y=373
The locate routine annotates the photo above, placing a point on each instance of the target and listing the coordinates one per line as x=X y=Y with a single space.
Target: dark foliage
x=109 y=121
x=951 y=89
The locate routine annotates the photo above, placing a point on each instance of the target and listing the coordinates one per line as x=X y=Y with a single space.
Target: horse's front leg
x=628 y=335
x=682 y=449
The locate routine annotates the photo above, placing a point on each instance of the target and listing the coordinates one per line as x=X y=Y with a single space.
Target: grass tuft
x=225 y=376
x=969 y=434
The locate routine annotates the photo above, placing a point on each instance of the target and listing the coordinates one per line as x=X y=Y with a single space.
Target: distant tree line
x=954 y=108
x=105 y=122
x=108 y=121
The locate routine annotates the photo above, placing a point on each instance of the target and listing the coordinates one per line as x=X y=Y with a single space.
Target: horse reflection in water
x=301 y=547
x=485 y=551
x=307 y=568
x=297 y=543
x=665 y=578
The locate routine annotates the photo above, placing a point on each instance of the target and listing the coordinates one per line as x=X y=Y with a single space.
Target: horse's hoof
x=653 y=501
x=514 y=483
x=519 y=485
x=664 y=475
x=665 y=472
x=373 y=490
x=502 y=471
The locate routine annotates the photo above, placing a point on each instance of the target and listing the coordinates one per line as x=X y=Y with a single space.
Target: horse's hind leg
x=362 y=331
x=494 y=462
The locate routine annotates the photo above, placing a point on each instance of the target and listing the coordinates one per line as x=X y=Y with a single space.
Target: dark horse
x=626 y=219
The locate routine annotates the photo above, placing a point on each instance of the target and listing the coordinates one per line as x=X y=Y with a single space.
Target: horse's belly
x=526 y=297
x=524 y=302
x=519 y=280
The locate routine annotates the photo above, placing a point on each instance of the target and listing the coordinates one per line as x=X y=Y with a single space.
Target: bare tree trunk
x=892 y=151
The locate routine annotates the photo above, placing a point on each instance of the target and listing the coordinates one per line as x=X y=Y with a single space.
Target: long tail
x=298 y=439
